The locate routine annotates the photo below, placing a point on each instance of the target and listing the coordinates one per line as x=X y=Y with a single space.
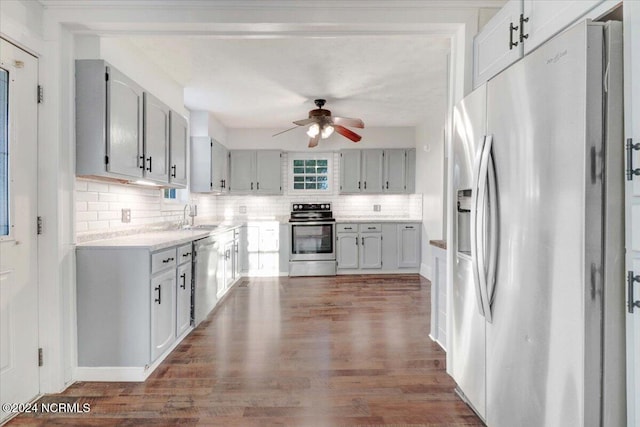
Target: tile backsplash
x=99 y=205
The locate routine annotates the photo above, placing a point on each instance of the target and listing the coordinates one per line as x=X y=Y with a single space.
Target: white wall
x=204 y=123
x=134 y=64
x=297 y=140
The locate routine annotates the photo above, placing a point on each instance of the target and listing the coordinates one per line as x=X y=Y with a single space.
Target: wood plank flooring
x=339 y=351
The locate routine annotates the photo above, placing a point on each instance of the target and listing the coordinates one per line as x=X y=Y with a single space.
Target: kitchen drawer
x=346 y=228
x=163 y=260
x=184 y=253
x=371 y=228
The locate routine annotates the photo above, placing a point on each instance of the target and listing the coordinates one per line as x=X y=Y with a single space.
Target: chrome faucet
x=185 y=222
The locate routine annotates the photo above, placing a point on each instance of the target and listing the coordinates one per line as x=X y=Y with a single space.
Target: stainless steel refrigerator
x=537 y=299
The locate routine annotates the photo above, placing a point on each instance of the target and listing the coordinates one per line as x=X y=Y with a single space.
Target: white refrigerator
x=537 y=300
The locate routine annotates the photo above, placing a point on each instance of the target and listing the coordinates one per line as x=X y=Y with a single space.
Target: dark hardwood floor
x=349 y=350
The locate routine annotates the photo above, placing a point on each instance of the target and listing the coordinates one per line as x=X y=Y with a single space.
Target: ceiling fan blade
x=347 y=133
x=287 y=130
x=347 y=121
x=314 y=141
x=305 y=122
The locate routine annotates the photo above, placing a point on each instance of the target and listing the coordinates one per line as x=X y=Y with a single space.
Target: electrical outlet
x=376 y=208
x=126 y=215
x=243 y=209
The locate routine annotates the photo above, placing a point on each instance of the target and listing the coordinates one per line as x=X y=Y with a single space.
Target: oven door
x=312 y=241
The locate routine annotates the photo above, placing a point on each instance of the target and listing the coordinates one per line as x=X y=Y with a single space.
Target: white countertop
x=157 y=240
x=383 y=220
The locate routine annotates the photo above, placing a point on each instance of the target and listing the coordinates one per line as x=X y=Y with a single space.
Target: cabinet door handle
x=365 y=185
x=227 y=254
x=356 y=241
x=522 y=21
x=183 y=276
x=159 y=290
x=362 y=241
x=252 y=186
x=150 y=164
x=359 y=185
x=512 y=44
x=141 y=162
x=173 y=174
x=257 y=186
x=387 y=185
x=222 y=183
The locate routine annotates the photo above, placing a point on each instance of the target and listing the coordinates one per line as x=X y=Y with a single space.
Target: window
x=4 y=153
x=173 y=199
x=310 y=172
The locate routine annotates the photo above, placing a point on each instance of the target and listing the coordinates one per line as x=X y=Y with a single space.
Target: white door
x=19 y=375
x=632 y=203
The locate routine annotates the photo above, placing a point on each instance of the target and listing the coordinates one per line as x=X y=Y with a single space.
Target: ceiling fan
x=322 y=125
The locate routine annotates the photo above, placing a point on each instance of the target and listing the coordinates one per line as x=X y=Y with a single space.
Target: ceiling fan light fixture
x=327 y=130
x=314 y=130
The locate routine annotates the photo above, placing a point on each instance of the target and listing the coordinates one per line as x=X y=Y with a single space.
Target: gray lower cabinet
x=163 y=312
x=386 y=247
x=131 y=305
x=408 y=245
x=359 y=246
x=184 y=289
x=255 y=171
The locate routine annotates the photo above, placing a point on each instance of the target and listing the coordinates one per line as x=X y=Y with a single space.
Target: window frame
x=292 y=156
x=10 y=143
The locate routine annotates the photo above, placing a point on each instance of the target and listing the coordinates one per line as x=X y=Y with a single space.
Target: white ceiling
x=269 y=82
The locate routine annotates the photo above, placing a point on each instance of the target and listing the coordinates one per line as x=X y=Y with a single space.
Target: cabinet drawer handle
x=159 y=290
x=150 y=164
x=348 y=228
x=512 y=44
x=173 y=174
x=164 y=261
x=183 y=276
x=186 y=254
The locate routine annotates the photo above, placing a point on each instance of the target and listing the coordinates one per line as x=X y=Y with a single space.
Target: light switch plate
x=376 y=208
x=243 y=209
x=126 y=215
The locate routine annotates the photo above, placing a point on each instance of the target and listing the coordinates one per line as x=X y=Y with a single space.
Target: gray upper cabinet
x=108 y=122
x=375 y=171
x=156 y=139
x=252 y=171
x=178 y=153
x=242 y=165
x=219 y=167
x=268 y=172
x=372 y=162
x=518 y=28
x=498 y=44
x=350 y=171
x=209 y=166
x=395 y=171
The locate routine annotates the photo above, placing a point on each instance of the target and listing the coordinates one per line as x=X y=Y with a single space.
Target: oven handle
x=312 y=223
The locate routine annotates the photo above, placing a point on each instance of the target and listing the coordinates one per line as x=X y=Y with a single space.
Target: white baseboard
x=425 y=271
x=124 y=373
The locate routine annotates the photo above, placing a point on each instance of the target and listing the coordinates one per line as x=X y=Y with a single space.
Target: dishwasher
x=205 y=286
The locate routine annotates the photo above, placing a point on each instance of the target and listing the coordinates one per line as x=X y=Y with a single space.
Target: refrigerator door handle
x=493 y=228
x=481 y=226
x=476 y=257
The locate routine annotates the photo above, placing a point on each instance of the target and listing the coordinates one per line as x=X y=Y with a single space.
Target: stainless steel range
x=313 y=248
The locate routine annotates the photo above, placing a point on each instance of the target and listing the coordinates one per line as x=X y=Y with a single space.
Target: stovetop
x=311 y=212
